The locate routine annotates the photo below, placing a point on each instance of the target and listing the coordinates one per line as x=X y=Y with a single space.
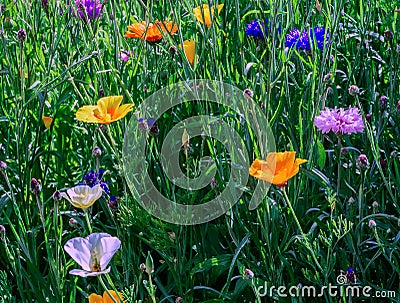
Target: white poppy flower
x=83 y=196
x=93 y=253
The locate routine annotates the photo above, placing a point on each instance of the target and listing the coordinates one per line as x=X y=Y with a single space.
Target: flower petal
x=108 y=105
x=87 y=113
x=109 y=246
x=107 y=298
x=84 y=273
x=79 y=249
x=94 y=298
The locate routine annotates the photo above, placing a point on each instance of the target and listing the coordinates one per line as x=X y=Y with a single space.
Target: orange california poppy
x=189 y=47
x=107 y=110
x=152 y=32
x=199 y=13
x=47 y=121
x=93 y=298
x=278 y=168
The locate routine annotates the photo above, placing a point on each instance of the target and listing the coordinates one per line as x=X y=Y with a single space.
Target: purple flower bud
x=327 y=77
x=21 y=35
x=179 y=300
x=96 y=152
x=142 y=266
x=35 y=186
x=45 y=5
x=375 y=204
x=351 y=276
x=57 y=196
x=388 y=35
x=101 y=93
x=113 y=203
x=383 y=101
x=362 y=162
x=368 y=117
x=73 y=223
x=351 y=200
x=248 y=274
x=248 y=93
x=372 y=223
x=354 y=90
x=172 y=50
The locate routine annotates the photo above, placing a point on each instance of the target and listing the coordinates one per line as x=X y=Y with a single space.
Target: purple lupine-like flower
x=92 y=178
x=89 y=9
x=340 y=121
x=257 y=29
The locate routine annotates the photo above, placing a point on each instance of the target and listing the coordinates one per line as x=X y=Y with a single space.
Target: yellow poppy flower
x=93 y=298
x=204 y=11
x=107 y=110
x=47 y=121
x=278 y=168
x=189 y=47
x=151 y=32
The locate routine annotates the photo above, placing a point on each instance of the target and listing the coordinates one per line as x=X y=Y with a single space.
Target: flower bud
x=179 y=300
x=362 y=162
x=149 y=264
x=375 y=204
x=35 y=186
x=354 y=90
x=372 y=223
x=21 y=35
x=73 y=223
x=57 y=196
x=248 y=93
x=388 y=35
x=96 y=152
x=142 y=266
x=172 y=50
x=248 y=274
x=398 y=106
x=383 y=101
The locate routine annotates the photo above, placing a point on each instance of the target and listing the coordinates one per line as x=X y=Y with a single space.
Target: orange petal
x=189 y=47
x=47 y=121
x=108 y=105
x=107 y=298
x=87 y=114
x=93 y=298
x=122 y=111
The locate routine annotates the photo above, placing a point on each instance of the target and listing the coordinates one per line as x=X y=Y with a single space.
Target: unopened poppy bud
x=354 y=90
x=372 y=223
x=362 y=162
x=248 y=274
x=73 y=223
x=149 y=264
x=57 y=196
x=96 y=151
x=35 y=186
x=3 y=166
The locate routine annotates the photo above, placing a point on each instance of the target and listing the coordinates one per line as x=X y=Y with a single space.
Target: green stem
x=87 y=220
x=304 y=236
x=107 y=290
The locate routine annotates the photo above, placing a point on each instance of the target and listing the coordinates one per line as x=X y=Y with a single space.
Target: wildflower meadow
x=199 y=151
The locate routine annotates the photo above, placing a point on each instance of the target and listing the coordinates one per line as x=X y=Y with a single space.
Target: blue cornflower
x=257 y=29
x=305 y=39
x=90 y=9
x=292 y=37
x=94 y=178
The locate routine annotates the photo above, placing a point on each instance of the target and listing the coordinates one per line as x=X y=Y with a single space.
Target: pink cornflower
x=340 y=121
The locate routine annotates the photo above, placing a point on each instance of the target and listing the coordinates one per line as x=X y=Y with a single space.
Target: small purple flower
x=94 y=178
x=125 y=55
x=351 y=276
x=340 y=121
x=257 y=29
x=248 y=274
x=89 y=9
